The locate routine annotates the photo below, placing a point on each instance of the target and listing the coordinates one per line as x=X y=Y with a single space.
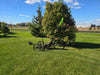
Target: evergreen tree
x=4 y=29
x=53 y=25
x=36 y=25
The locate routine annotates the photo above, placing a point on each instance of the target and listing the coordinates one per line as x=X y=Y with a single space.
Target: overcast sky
x=84 y=12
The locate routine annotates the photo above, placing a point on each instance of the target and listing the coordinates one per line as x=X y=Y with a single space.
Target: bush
x=4 y=29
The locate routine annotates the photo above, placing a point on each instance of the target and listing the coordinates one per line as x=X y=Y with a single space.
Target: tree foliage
x=22 y=24
x=52 y=17
x=36 y=25
x=3 y=28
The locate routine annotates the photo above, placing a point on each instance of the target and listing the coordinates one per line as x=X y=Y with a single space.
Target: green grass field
x=18 y=58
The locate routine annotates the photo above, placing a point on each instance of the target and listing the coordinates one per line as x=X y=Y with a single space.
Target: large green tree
x=36 y=25
x=52 y=18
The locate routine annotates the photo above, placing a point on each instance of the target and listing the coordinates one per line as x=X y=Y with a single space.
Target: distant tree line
x=22 y=24
x=93 y=27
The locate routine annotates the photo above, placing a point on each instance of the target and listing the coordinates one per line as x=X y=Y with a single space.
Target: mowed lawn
x=19 y=58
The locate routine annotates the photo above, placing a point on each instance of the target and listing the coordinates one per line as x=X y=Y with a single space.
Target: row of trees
x=3 y=28
x=22 y=24
x=50 y=24
x=93 y=27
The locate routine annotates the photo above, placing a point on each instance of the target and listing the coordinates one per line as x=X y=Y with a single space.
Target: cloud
x=79 y=23
x=27 y=16
x=6 y=16
x=83 y=24
x=87 y=24
x=23 y=15
x=46 y=0
x=55 y=1
x=68 y=1
x=97 y=22
x=36 y=1
x=32 y=1
x=76 y=3
x=39 y=1
x=97 y=19
x=77 y=7
x=52 y=1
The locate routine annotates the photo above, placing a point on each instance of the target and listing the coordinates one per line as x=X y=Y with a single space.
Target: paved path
x=79 y=31
x=89 y=31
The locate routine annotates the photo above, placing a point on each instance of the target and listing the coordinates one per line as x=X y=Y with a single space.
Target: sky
x=85 y=12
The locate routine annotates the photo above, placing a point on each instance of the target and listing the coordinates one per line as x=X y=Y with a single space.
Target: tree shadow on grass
x=85 y=45
x=1 y=36
x=57 y=49
x=97 y=50
x=11 y=33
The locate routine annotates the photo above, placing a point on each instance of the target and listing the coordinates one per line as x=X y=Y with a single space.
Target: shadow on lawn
x=85 y=45
x=1 y=36
x=11 y=33
x=98 y=50
x=57 y=49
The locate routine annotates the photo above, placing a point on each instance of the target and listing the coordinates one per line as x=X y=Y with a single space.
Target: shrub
x=4 y=29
